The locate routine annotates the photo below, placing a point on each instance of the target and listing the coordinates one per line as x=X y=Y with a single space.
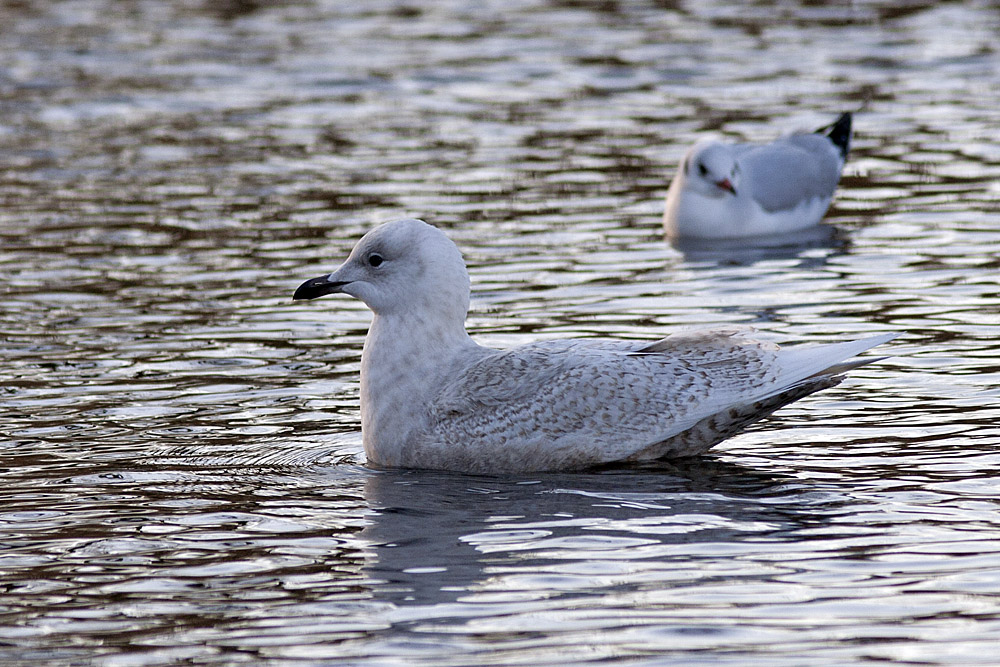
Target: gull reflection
x=815 y=245
x=462 y=541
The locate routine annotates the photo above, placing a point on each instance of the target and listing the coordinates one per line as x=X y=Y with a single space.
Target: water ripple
x=182 y=476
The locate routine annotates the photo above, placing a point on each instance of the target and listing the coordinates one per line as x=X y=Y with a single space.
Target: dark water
x=182 y=481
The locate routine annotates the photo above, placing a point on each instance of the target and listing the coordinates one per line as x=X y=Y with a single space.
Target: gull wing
x=575 y=404
x=781 y=175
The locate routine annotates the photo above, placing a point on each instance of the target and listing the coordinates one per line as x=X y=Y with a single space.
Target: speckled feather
x=433 y=398
x=573 y=404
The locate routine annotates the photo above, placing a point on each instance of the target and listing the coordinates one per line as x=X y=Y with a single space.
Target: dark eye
x=375 y=259
x=702 y=169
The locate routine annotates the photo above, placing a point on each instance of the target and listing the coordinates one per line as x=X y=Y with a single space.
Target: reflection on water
x=814 y=246
x=182 y=474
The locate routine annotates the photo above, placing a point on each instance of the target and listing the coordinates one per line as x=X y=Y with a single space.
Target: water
x=182 y=476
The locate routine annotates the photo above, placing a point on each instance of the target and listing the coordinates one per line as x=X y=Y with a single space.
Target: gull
x=727 y=191
x=432 y=398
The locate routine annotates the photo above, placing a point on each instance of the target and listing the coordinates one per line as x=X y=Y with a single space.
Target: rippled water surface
x=182 y=477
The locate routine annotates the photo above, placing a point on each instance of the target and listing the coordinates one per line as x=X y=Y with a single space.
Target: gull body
x=726 y=191
x=431 y=397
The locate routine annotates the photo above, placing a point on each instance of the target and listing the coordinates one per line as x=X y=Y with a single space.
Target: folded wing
x=574 y=404
x=793 y=169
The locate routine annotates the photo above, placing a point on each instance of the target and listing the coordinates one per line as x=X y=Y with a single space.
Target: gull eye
x=375 y=259
x=702 y=169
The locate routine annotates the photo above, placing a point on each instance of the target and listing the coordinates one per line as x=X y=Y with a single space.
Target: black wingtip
x=840 y=133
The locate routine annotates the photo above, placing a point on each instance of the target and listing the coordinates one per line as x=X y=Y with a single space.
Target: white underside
x=693 y=215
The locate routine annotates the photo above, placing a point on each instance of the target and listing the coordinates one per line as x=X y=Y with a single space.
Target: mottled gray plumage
x=432 y=398
x=578 y=403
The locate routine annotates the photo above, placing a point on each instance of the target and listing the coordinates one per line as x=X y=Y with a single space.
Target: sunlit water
x=182 y=476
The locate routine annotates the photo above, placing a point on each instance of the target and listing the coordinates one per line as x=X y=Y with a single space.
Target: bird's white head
x=400 y=267
x=711 y=169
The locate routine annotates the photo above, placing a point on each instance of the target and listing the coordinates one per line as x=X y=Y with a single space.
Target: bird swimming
x=729 y=191
x=432 y=398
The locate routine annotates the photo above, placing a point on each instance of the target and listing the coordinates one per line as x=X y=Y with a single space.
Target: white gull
x=725 y=191
x=432 y=398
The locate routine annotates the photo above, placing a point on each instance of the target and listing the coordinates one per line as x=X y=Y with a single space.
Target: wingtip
x=862 y=344
x=856 y=347
x=840 y=133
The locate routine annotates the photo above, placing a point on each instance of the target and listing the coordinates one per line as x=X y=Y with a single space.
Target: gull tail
x=840 y=369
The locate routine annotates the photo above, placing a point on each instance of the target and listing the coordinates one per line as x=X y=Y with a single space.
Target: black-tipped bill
x=317 y=287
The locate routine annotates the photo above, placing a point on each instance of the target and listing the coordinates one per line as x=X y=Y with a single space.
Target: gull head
x=711 y=169
x=401 y=267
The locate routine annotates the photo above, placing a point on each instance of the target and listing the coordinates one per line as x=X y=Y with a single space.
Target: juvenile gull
x=725 y=191
x=433 y=398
